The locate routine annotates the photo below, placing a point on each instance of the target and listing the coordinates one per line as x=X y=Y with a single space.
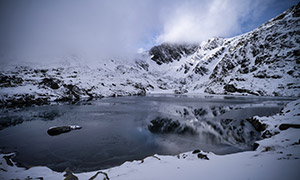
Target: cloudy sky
x=104 y=28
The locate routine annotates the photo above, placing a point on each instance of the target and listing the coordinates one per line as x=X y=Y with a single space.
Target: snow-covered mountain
x=263 y=62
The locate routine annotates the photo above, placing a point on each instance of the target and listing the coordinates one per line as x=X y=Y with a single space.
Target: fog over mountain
x=91 y=31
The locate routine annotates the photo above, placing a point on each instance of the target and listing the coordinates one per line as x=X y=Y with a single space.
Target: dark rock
x=268 y=148
x=286 y=126
x=185 y=112
x=244 y=70
x=281 y=16
x=166 y=52
x=202 y=156
x=253 y=68
x=8 y=160
x=296 y=11
x=69 y=175
x=73 y=93
x=186 y=68
x=53 y=131
x=50 y=83
x=180 y=91
x=255 y=146
x=200 y=70
x=230 y=88
x=209 y=90
x=143 y=65
x=267 y=134
x=141 y=92
x=291 y=72
x=196 y=151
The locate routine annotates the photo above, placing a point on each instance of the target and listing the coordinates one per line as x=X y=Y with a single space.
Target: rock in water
x=53 y=131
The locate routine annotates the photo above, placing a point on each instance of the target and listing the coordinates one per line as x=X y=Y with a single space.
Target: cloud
x=95 y=30
x=196 y=21
x=89 y=29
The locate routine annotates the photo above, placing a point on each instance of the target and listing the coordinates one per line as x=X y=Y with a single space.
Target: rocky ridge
x=263 y=62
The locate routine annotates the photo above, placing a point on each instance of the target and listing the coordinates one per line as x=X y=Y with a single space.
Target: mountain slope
x=263 y=62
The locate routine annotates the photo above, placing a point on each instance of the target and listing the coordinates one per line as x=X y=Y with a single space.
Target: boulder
x=57 y=130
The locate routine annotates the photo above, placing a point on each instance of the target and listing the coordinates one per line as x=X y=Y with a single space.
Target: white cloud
x=97 y=29
x=105 y=28
x=196 y=21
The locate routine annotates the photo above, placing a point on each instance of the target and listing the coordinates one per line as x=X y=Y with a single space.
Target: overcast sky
x=115 y=27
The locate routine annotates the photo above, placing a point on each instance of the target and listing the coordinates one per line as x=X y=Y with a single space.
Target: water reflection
x=119 y=129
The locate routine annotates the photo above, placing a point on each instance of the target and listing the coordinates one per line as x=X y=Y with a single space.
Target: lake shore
x=281 y=149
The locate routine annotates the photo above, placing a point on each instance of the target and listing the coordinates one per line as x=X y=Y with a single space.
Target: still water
x=115 y=130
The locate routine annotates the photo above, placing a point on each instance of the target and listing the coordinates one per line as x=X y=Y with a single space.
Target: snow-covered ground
x=277 y=157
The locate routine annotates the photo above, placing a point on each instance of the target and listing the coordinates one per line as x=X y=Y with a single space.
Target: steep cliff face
x=167 y=52
x=265 y=61
x=262 y=62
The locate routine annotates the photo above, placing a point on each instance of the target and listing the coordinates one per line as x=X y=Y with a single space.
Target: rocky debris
x=73 y=91
x=264 y=74
x=141 y=89
x=200 y=69
x=42 y=71
x=10 y=81
x=167 y=52
x=166 y=125
x=180 y=91
x=53 y=131
x=52 y=83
